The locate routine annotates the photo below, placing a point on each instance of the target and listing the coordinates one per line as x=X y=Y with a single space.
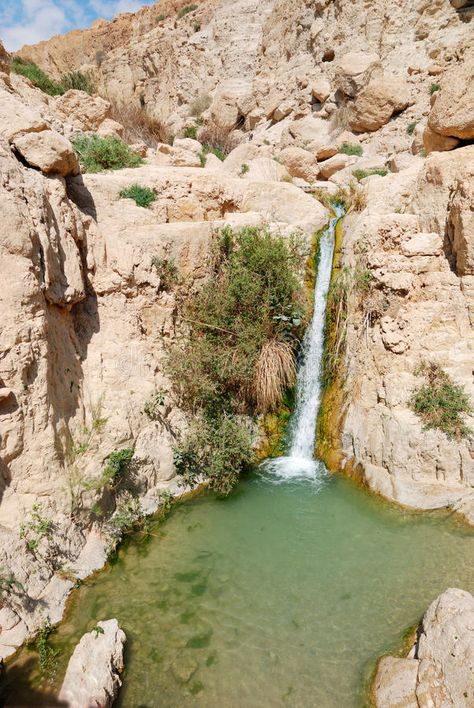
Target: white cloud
x=39 y=19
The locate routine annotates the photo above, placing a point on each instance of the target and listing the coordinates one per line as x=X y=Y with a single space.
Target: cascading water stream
x=300 y=461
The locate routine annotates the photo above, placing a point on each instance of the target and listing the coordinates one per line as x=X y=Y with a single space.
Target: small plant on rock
x=411 y=127
x=350 y=149
x=9 y=585
x=361 y=174
x=244 y=169
x=117 y=466
x=190 y=132
x=441 y=403
x=97 y=154
x=167 y=270
x=434 y=88
x=142 y=196
x=185 y=11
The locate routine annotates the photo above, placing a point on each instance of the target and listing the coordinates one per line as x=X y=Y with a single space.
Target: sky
x=30 y=21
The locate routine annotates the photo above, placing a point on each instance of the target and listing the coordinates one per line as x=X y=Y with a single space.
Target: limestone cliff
x=371 y=97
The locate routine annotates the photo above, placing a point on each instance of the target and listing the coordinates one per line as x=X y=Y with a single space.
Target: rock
x=460 y=228
x=309 y=129
x=188 y=144
x=452 y=114
x=241 y=155
x=335 y=164
x=184 y=667
x=320 y=88
x=140 y=149
x=423 y=245
x=300 y=163
x=282 y=110
x=323 y=152
x=110 y=129
x=233 y=98
x=377 y=102
x=395 y=683
x=353 y=70
x=84 y=112
x=4 y=60
x=263 y=169
x=16 y=118
x=93 y=673
x=439 y=670
x=49 y=151
x=170 y=155
x=434 y=142
x=5 y=394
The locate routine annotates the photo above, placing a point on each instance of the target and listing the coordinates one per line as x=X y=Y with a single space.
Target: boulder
x=84 y=112
x=110 y=128
x=170 y=155
x=308 y=129
x=93 y=673
x=353 y=71
x=49 y=151
x=241 y=155
x=300 y=163
x=323 y=152
x=320 y=88
x=434 y=142
x=335 y=164
x=265 y=169
x=282 y=110
x=377 y=103
x=438 y=670
x=453 y=111
x=233 y=99
x=16 y=118
x=188 y=144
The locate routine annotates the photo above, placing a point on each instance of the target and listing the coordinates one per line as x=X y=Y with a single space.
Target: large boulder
x=434 y=142
x=300 y=163
x=377 y=103
x=439 y=668
x=233 y=99
x=320 y=88
x=353 y=71
x=335 y=164
x=82 y=111
x=93 y=673
x=49 y=151
x=16 y=118
x=453 y=110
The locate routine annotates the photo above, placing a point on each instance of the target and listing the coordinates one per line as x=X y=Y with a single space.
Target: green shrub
x=77 y=80
x=244 y=169
x=348 y=149
x=218 y=449
x=441 y=403
x=142 y=196
x=434 y=88
x=48 y=657
x=117 y=467
x=190 y=132
x=97 y=154
x=411 y=127
x=360 y=174
x=39 y=79
x=185 y=11
x=167 y=270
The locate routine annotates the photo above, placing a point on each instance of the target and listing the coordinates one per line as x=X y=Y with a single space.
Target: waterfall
x=300 y=461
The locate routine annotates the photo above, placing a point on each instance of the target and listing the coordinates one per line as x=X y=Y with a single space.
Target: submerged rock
x=93 y=673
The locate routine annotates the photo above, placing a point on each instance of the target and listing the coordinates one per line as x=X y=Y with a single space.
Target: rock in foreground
x=439 y=670
x=93 y=673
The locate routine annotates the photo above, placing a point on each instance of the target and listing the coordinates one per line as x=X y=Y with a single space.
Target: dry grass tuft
x=275 y=371
x=218 y=138
x=357 y=198
x=139 y=126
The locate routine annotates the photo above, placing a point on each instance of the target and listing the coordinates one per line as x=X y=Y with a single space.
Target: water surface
x=282 y=595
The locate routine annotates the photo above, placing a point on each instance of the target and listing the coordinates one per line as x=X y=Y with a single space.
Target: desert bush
x=139 y=125
x=185 y=11
x=38 y=78
x=142 y=196
x=441 y=403
x=218 y=449
x=97 y=154
x=349 y=149
x=117 y=467
x=221 y=141
x=167 y=270
x=77 y=80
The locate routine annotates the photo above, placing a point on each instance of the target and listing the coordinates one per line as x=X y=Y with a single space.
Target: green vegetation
x=440 y=402
x=245 y=326
x=206 y=149
x=97 y=154
x=411 y=127
x=244 y=169
x=167 y=271
x=117 y=466
x=336 y=326
x=77 y=80
x=36 y=529
x=9 y=585
x=98 y=630
x=348 y=149
x=185 y=11
x=434 y=88
x=360 y=174
x=38 y=78
x=73 y=80
x=48 y=657
x=190 y=132
x=152 y=406
x=142 y=196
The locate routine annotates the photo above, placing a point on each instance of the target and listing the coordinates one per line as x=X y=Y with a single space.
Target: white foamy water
x=300 y=462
